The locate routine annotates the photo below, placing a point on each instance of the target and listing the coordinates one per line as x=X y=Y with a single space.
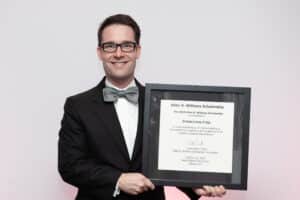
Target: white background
x=47 y=52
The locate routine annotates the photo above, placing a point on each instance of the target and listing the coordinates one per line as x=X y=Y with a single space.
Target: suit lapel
x=139 y=135
x=107 y=113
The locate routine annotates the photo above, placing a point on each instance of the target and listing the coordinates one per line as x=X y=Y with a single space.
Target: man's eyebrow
x=108 y=42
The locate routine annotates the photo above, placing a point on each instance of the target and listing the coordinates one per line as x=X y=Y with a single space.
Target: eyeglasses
x=111 y=47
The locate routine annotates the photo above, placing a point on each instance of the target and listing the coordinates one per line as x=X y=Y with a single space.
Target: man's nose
x=118 y=52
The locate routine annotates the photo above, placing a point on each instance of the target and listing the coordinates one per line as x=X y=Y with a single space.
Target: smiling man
x=119 y=63
x=100 y=140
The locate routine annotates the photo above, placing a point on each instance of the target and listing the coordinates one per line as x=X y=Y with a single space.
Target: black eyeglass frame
x=121 y=45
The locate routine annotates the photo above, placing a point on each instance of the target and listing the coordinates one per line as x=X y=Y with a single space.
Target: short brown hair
x=123 y=20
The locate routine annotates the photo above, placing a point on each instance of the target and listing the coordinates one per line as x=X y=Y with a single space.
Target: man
x=100 y=141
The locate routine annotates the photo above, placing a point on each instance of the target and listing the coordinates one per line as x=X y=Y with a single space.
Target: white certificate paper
x=196 y=136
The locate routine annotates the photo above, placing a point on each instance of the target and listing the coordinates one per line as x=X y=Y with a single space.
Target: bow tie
x=111 y=94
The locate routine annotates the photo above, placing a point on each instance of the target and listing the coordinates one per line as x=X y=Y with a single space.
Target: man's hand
x=211 y=191
x=134 y=183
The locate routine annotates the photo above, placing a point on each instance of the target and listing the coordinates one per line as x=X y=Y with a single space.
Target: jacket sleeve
x=75 y=163
x=190 y=193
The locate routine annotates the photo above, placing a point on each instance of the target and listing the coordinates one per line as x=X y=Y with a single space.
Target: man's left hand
x=210 y=191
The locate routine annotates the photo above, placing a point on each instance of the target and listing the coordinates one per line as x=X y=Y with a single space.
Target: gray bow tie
x=112 y=94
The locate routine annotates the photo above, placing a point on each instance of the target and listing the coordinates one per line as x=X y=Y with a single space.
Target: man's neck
x=121 y=84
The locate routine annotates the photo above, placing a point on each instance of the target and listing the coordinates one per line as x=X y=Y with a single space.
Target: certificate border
x=185 y=179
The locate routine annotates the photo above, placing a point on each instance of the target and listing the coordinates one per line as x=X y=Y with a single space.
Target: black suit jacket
x=92 y=151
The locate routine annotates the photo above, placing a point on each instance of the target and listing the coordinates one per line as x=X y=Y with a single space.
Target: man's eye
x=109 y=46
x=127 y=45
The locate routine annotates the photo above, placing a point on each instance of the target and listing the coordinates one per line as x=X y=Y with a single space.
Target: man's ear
x=99 y=53
x=138 y=51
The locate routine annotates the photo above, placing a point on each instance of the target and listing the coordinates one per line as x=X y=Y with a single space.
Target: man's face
x=119 y=66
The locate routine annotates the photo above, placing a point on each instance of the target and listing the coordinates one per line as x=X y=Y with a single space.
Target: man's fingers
x=201 y=192
x=139 y=190
x=219 y=191
x=135 y=183
x=223 y=189
x=143 y=187
x=211 y=191
x=208 y=190
x=149 y=184
x=144 y=184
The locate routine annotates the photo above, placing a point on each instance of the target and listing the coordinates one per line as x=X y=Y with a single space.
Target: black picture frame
x=154 y=93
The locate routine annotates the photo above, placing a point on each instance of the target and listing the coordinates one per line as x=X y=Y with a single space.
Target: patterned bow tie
x=112 y=94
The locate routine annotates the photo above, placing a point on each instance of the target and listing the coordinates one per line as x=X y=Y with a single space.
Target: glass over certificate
x=196 y=135
x=201 y=135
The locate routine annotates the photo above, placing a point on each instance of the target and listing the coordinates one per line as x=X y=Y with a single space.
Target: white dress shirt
x=128 y=117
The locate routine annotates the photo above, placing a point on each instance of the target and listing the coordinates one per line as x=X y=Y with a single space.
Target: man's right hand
x=134 y=183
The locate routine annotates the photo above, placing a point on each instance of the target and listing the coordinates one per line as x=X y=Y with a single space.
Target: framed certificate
x=196 y=135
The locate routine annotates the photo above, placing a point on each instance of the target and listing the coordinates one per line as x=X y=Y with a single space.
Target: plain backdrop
x=48 y=52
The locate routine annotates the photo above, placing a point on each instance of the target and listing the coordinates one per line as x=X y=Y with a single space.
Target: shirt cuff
x=117 y=190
